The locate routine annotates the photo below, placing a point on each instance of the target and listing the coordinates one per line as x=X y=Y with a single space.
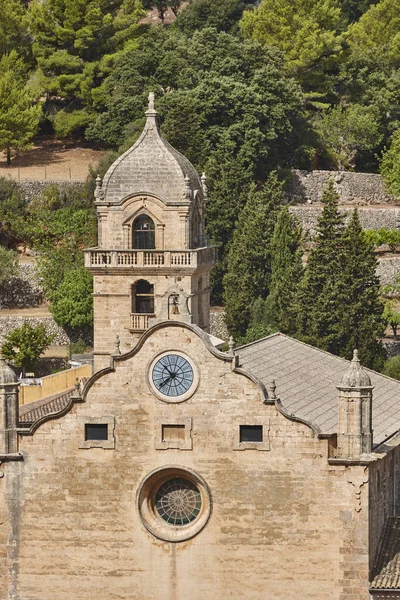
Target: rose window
x=178 y=501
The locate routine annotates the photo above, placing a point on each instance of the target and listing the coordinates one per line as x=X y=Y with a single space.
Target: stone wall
x=217 y=323
x=22 y=291
x=353 y=188
x=371 y=218
x=9 y=323
x=33 y=188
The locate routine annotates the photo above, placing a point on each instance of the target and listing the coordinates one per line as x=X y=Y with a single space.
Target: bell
x=175 y=307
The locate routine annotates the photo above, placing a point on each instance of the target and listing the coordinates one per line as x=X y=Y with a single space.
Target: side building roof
x=306 y=380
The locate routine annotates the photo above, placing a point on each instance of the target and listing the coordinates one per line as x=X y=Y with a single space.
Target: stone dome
x=356 y=376
x=7 y=374
x=153 y=167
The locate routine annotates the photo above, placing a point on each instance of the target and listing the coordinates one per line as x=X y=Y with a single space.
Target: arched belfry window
x=144 y=233
x=143 y=297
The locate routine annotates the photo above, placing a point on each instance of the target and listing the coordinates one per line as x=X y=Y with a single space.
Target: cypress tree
x=361 y=320
x=286 y=273
x=338 y=303
x=249 y=259
x=317 y=304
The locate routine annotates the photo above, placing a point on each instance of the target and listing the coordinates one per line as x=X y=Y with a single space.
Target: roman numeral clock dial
x=173 y=377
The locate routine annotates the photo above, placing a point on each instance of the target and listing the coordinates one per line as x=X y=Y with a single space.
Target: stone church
x=180 y=472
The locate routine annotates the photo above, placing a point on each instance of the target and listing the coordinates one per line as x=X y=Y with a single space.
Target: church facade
x=182 y=472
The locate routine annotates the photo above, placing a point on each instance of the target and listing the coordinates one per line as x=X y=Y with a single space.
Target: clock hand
x=164 y=382
x=172 y=374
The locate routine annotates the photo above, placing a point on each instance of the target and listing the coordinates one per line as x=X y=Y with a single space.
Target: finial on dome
x=98 y=192
x=204 y=185
x=356 y=376
x=188 y=191
x=151 y=111
x=151 y=101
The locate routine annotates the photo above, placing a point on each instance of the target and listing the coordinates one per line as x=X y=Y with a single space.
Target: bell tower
x=152 y=262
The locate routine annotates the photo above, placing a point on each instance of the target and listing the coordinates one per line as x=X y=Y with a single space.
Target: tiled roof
x=29 y=413
x=306 y=380
x=386 y=569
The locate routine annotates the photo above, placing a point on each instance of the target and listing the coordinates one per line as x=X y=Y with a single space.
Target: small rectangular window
x=173 y=433
x=96 y=432
x=251 y=433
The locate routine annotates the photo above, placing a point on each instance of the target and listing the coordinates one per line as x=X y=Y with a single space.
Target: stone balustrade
x=96 y=258
x=140 y=321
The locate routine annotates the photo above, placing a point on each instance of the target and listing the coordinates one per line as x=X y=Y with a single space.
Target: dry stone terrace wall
x=371 y=218
x=22 y=291
x=353 y=188
x=9 y=323
x=35 y=188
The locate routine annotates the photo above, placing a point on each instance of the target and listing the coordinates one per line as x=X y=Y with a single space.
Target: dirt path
x=55 y=160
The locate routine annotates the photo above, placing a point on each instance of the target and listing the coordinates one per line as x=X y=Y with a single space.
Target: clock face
x=172 y=375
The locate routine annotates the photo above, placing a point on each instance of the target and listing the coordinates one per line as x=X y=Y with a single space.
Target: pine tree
x=317 y=304
x=361 y=320
x=19 y=117
x=286 y=273
x=249 y=260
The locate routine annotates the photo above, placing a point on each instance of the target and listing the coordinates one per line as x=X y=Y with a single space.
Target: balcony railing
x=120 y=259
x=140 y=321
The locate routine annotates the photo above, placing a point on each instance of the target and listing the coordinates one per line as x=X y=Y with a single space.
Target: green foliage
x=65 y=123
x=76 y=43
x=347 y=132
x=353 y=9
x=8 y=264
x=78 y=347
x=19 y=117
x=380 y=237
x=54 y=263
x=392 y=367
x=306 y=30
x=59 y=217
x=361 y=323
x=224 y=15
x=24 y=345
x=13 y=28
x=390 y=165
x=339 y=308
x=249 y=260
x=378 y=28
x=72 y=301
x=286 y=273
x=12 y=211
x=391 y=317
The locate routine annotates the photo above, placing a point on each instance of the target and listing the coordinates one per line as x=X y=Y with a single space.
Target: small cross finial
x=272 y=389
x=231 y=345
x=151 y=101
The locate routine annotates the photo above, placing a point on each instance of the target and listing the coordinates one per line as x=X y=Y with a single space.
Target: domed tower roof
x=7 y=375
x=153 y=167
x=356 y=376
